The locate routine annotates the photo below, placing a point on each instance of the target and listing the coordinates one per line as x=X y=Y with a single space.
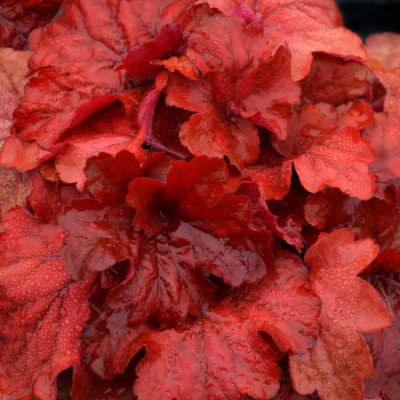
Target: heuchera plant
x=199 y=200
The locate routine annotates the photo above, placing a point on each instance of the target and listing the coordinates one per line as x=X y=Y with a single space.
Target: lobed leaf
x=340 y=360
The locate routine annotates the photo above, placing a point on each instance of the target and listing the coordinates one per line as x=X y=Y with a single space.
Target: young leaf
x=245 y=80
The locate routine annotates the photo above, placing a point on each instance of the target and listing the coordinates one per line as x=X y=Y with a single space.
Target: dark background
x=371 y=16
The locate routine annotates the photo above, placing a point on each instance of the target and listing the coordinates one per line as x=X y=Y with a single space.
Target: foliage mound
x=199 y=200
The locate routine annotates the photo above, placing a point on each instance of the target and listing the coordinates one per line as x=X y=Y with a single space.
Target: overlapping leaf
x=385 y=345
x=41 y=323
x=287 y=228
x=19 y=17
x=334 y=81
x=65 y=69
x=327 y=149
x=182 y=228
x=271 y=173
x=48 y=199
x=14 y=187
x=308 y=26
x=245 y=81
x=179 y=146
x=222 y=355
x=384 y=47
x=109 y=347
x=214 y=357
x=110 y=131
x=377 y=219
x=384 y=137
x=340 y=360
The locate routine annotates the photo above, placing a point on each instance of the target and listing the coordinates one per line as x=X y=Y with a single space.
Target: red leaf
x=87 y=385
x=219 y=355
x=385 y=344
x=19 y=17
x=24 y=156
x=385 y=134
x=14 y=187
x=384 y=47
x=108 y=131
x=108 y=176
x=166 y=284
x=378 y=220
x=329 y=209
x=215 y=357
x=280 y=305
x=307 y=26
x=328 y=150
x=100 y=236
x=340 y=360
x=286 y=228
x=271 y=173
x=375 y=219
x=203 y=185
x=169 y=280
x=97 y=239
x=195 y=227
x=138 y=62
x=49 y=199
x=165 y=129
x=390 y=79
x=41 y=323
x=227 y=101
x=334 y=81
x=158 y=136
x=384 y=137
x=52 y=106
x=110 y=341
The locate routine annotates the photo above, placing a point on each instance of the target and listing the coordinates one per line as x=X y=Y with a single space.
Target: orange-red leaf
x=384 y=137
x=308 y=26
x=42 y=309
x=334 y=81
x=340 y=360
x=385 y=344
x=52 y=103
x=107 y=131
x=327 y=149
x=245 y=81
x=215 y=357
x=384 y=47
x=19 y=17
